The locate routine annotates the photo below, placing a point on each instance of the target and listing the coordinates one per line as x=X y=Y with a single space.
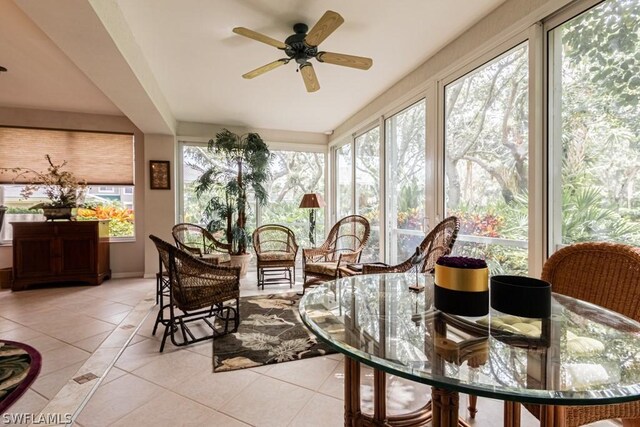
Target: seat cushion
x=325 y=268
x=277 y=256
x=216 y=258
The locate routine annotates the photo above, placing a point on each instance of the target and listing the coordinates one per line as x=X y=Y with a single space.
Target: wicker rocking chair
x=276 y=251
x=606 y=274
x=439 y=242
x=199 y=242
x=197 y=291
x=344 y=244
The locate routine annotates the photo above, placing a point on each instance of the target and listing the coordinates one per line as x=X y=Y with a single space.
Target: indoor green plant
x=241 y=163
x=63 y=189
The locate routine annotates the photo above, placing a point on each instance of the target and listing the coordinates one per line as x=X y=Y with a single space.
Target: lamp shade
x=312 y=201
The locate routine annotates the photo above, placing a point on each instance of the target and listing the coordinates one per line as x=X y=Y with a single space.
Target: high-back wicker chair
x=276 y=249
x=198 y=291
x=608 y=275
x=343 y=245
x=200 y=242
x=439 y=242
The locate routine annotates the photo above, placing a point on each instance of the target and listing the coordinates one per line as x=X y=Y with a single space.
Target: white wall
x=127 y=258
x=159 y=208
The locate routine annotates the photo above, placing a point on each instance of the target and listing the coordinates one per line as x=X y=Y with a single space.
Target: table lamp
x=312 y=201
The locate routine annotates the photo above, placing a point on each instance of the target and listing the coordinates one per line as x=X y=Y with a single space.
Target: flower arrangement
x=61 y=187
x=461 y=262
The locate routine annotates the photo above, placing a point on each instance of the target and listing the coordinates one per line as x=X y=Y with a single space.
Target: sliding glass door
x=405 y=181
x=487 y=159
x=367 y=189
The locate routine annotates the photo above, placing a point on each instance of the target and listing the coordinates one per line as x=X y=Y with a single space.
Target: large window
x=486 y=161
x=367 y=187
x=103 y=160
x=344 y=180
x=293 y=173
x=405 y=186
x=594 y=127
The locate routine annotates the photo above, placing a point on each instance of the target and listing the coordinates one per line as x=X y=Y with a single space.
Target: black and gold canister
x=462 y=286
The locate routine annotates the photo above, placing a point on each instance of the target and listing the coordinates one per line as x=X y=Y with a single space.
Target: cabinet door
x=35 y=257
x=78 y=254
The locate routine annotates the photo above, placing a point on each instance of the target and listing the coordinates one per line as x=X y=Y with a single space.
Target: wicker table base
x=442 y=411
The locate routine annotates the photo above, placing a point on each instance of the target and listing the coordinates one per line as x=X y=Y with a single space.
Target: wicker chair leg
x=165 y=335
x=473 y=403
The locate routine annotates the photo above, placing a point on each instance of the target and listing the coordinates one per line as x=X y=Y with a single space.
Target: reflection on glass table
x=584 y=355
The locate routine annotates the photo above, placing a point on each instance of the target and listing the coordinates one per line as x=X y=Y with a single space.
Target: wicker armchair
x=198 y=291
x=606 y=274
x=438 y=242
x=344 y=244
x=199 y=242
x=276 y=251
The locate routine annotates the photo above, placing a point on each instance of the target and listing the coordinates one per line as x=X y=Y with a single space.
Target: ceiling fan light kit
x=302 y=46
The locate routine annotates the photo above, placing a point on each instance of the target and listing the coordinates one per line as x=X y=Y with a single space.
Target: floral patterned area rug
x=270 y=332
x=19 y=367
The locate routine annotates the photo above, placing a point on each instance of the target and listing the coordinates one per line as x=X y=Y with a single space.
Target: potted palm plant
x=241 y=163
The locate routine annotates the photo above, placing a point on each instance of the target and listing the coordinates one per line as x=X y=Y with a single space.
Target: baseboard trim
x=127 y=275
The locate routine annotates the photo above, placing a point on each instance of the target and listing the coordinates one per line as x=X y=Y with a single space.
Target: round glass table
x=587 y=355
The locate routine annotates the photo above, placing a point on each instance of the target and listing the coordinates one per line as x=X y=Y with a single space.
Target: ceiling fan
x=303 y=46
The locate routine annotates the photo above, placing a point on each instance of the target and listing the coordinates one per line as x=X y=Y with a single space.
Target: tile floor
x=177 y=388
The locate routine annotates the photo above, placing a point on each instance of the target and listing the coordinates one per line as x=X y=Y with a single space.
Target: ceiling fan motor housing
x=296 y=48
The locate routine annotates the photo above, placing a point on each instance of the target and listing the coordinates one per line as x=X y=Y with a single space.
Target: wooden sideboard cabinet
x=60 y=251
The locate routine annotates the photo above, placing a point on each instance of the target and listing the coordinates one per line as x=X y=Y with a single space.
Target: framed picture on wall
x=159 y=176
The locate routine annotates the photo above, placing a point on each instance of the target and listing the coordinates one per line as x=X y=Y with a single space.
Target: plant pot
x=241 y=261
x=56 y=213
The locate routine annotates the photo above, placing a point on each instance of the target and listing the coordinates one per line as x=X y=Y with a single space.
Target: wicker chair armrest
x=348 y=258
x=191 y=249
x=314 y=254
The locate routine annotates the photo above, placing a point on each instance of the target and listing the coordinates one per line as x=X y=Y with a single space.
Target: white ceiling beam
x=96 y=37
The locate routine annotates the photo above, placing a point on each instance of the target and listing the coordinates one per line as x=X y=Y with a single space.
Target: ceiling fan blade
x=352 y=61
x=309 y=77
x=259 y=37
x=261 y=70
x=323 y=28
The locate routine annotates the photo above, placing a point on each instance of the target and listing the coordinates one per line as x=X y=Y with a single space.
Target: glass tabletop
x=588 y=355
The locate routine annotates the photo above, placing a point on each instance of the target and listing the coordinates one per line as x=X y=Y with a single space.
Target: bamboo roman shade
x=98 y=158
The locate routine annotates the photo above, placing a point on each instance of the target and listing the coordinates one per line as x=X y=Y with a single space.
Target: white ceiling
x=39 y=74
x=197 y=62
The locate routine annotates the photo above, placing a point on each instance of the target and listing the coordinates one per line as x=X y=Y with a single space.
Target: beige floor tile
x=29 y=403
x=174 y=368
x=49 y=385
x=7 y=325
x=334 y=384
x=91 y=343
x=214 y=390
x=320 y=411
x=84 y=327
x=43 y=342
x=268 y=402
x=140 y=354
x=114 y=373
x=116 y=318
x=170 y=409
x=116 y=399
x=316 y=371
x=61 y=357
x=22 y=334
